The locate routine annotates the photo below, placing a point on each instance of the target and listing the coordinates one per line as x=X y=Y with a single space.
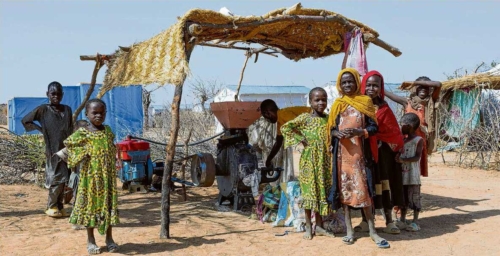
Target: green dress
x=315 y=176
x=96 y=203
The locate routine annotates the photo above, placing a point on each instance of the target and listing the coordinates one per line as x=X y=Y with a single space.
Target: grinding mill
x=236 y=167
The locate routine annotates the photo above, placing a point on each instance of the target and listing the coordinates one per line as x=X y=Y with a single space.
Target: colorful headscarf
x=388 y=127
x=360 y=102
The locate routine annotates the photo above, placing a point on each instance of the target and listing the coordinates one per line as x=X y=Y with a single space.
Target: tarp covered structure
x=124 y=108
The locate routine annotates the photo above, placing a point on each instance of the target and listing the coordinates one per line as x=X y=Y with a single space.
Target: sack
x=272 y=197
x=335 y=222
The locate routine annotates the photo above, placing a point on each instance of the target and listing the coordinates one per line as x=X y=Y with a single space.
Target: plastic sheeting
x=464 y=112
x=124 y=108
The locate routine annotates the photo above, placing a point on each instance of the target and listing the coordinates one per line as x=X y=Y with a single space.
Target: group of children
x=359 y=156
x=355 y=157
x=91 y=153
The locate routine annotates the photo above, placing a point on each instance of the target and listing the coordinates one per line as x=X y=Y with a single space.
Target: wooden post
x=98 y=65
x=170 y=149
x=183 y=166
x=248 y=54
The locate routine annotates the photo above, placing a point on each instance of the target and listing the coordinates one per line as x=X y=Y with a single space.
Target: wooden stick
x=248 y=55
x=183 y=166
x=97 y=67
x=369 y=37
x=331 y=18
x=260 y=50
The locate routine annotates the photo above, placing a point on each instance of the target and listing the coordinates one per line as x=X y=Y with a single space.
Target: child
x=410 y=159
x=56 y=124
x=351 y=122
x=96 y=199
x=423 y=104
x=270 y=111
x=75 y=174
x=315 y=178
x=385 y=145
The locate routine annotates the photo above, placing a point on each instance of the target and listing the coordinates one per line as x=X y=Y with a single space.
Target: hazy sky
x=41 y=41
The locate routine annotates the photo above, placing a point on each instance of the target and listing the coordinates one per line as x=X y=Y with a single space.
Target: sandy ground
x=461 y=213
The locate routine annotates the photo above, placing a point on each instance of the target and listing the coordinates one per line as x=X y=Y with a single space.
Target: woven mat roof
x=484 y=80
x=294 y=32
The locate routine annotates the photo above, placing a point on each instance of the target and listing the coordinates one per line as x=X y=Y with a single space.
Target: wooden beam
x=97 y=67
x=94 y=57
x=253 y=50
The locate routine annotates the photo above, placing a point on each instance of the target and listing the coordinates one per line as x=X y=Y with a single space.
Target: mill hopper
x=236 y=114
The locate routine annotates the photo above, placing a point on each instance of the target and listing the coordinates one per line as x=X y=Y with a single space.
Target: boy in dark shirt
x=55 y=123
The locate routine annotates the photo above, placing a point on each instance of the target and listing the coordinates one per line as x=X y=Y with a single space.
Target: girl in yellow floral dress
x=96 y=200
x=315 y=177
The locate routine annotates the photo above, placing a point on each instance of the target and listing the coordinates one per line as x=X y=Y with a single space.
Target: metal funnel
x=236 y=114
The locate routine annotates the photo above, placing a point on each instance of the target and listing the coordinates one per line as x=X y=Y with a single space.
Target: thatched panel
x=484 y=80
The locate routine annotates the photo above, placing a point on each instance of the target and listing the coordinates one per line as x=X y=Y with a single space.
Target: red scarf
x=388 y=127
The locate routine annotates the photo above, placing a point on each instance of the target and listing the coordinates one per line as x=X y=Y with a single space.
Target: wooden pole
x=248 y=54
x=170 y=150
x=183 y=166
x=97 y=67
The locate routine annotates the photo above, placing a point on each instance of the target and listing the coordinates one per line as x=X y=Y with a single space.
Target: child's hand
x=339 y=134
x=398 y=158
x=304 y=142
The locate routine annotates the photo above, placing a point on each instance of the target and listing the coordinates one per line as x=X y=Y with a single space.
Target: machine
x=135 y=165
x=236 y=159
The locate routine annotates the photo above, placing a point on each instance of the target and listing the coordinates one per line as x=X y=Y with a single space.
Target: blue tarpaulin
x=124 y=108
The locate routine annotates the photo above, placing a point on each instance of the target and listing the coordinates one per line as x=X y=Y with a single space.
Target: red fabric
x=388 y=127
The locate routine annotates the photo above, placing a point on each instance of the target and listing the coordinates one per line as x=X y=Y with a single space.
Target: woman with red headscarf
x=385 y=146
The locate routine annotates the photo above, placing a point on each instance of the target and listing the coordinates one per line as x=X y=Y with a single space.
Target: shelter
x=124 y=108
x=471 y=101
x=296 y=33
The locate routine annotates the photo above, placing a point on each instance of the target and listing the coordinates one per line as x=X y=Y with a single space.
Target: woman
x=385 y=146
x=351 y=122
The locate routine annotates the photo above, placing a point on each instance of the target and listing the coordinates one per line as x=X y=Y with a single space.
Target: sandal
x=362 y=227
x=413 y=227
x=348 y=240
x=65 y=213
x=391 y=228
x=383 y=244
x=53 y=212
x=112 y=247
x=93 y=249
x=401 y=225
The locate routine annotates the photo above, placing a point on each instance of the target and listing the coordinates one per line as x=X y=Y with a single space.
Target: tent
x=124 y=108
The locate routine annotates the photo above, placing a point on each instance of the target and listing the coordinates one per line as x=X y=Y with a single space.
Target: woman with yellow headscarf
x=351 y=121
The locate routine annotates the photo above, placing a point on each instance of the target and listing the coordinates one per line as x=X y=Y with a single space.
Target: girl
x=423 y=104
x=410 y=158
x=385 y=145
x=314 y=178
x=96 y=199
x=351 y=122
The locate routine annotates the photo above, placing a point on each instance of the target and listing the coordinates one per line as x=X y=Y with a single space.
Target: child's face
x=406 y=129
x=55 y=95
x=348 y=84
x=270 y=115
x=318 y=101
x=96 y=113
x=422 y=92
x=373 y=84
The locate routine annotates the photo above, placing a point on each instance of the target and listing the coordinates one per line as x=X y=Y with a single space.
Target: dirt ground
x=460 y=216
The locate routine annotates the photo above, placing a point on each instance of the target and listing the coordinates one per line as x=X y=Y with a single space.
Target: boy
x=270 y=111
x=55 y=123
x=410 y=160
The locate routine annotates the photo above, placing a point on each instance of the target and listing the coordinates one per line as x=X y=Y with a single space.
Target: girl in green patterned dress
x=315 y=176
x=96 y=200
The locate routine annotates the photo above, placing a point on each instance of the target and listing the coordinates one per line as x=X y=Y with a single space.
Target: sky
x=41 y=41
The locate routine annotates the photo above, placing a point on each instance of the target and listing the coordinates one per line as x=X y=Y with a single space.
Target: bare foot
x=322 y=232
x=78 y=227
x=308 y=234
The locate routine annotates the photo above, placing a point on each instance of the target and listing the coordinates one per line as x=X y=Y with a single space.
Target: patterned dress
x=315 y=176
x=96 y=202
x=351 y=163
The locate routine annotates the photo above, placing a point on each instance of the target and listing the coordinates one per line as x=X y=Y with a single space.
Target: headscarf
x=360 y=102
x=388 y=127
